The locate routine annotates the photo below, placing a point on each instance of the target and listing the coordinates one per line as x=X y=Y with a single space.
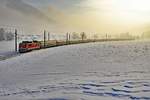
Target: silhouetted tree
x=83 y=35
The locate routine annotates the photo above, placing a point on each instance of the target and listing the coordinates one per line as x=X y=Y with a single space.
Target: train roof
x=26 y=41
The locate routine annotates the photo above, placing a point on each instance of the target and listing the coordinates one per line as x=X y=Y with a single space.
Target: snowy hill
x=93 y=71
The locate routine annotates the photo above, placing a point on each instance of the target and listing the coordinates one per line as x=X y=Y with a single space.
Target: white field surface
x=93 y=71
x=7 y=49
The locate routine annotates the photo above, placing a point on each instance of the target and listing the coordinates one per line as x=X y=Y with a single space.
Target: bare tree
x=9 y=36
x=83 y=36
x=75 y=36
x=6 y=35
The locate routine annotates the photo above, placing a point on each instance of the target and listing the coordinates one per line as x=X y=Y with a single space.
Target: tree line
x=6 y=36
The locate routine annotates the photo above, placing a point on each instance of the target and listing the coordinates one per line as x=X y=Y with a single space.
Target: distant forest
x=6 y=36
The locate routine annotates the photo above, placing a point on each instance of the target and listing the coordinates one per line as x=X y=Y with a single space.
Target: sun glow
x=123 y=9
x=116 y=16
x=134 y=5
x=124 y=5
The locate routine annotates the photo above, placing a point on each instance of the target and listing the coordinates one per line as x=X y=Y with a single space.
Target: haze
x=95 y=16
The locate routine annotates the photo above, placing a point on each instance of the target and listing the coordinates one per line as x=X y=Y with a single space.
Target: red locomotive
x=26 y=46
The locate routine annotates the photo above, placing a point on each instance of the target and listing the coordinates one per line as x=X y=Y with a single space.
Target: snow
x=7 y=49
x=93 y=71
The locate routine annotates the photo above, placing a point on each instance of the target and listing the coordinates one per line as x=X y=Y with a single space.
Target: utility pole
x=44 y=38
x=67 y=38
x=48 y=36
x=16 y=40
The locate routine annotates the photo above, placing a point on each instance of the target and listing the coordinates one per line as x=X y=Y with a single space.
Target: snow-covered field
x=93 y=71
x=7 y=49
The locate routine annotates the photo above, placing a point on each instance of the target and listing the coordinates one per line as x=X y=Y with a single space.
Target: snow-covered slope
x=94 y=71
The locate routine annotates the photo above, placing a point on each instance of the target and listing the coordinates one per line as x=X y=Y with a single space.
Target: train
x=26 y=46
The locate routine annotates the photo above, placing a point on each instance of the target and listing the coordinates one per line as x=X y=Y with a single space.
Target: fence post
x=16 y=40
x=67 y=38
x=44 y=38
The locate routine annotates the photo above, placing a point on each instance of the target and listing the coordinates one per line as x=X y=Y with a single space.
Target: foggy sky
x=71 y=15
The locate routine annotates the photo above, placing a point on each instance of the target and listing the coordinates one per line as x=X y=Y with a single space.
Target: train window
x=22 y=45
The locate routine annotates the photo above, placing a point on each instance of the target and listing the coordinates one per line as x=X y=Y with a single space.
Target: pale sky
x=99 y=16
